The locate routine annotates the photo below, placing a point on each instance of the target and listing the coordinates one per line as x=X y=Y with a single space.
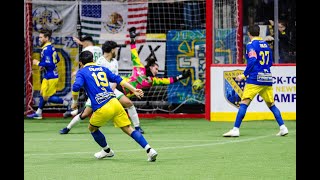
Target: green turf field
x=188 y=150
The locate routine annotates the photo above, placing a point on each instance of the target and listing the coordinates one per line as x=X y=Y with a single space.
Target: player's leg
x=249 y=92
x=98 y=119
x=267 y=95
x=122 y=120
x=42 y=101
x=132 y=112
x=81 y=116
x=51 y=91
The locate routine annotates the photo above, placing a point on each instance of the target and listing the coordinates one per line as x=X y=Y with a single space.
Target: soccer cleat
x=139 y=129
x=67 y=114
x=64 y=130
x=284 y=131
x=102 y=154
x=132 y=32
x=232 y=133
x=152 y=155
x=35 y=116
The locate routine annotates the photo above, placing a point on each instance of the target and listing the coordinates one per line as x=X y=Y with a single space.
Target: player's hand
x=77 y=40
x=139 y=93
x=239 y=77
x=73 y=74
x=184 y=74
x=35 y=62
x=268 y=38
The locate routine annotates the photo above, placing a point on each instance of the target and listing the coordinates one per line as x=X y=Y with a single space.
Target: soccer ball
x=197 y=84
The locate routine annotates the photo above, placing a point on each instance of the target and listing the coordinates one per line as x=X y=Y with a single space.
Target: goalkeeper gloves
x=133 y=35
x=184 y=75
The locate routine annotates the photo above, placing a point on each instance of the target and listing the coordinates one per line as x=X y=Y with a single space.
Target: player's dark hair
x=151 y=62
x=254 y=30
x=46 y=32
x=108 y=46
x=85 y=57
x=87 y=38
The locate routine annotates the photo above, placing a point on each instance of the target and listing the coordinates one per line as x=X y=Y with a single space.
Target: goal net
x=173 y=31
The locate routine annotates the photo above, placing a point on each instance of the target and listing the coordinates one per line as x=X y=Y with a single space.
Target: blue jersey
x=259 y=60
x=95 y=80
x=49 y=59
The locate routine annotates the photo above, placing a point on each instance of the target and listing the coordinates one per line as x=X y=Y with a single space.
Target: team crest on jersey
x=115 y=23
x=45 y=17
x=233 y=89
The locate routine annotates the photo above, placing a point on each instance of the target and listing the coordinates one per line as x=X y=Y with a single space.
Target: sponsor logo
x=45 y=17
x=233 y=89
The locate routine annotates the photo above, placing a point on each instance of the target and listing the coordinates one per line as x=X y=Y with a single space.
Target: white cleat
x=102 y=154
x=152 y=155
x=232 y=133
x=283 y=131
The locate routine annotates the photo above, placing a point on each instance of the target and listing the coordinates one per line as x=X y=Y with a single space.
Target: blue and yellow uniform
x=95 y=80
x=258 y=75
x=49 y=59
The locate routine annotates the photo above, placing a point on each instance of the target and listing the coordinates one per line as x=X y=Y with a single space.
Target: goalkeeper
x=142 y=77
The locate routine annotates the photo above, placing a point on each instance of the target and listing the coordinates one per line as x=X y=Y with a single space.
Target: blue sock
x=99 y=138
x=42 y=102
x=138 y=137
x=55 y=99
x=277 y=114
x=241 y=113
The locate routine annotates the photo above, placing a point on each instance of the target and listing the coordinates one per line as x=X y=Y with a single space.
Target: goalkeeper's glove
x=184 y=75
x=133 y=35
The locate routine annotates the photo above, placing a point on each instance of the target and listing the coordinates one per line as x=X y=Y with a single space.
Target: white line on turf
x=227 y=141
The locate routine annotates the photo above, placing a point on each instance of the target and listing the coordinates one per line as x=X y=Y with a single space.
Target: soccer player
x=108 y=60
x=49 y=59
x=87 y=44
x=144 y=77
x=258 y=81
x=95 y=80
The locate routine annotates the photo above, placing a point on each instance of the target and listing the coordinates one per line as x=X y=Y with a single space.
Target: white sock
x=105 y=148
x=39 y=111
x=134 y=116
x=74 y=112
x=282 y=126
x=74 y=121
x=235 y=128
x=147 y=147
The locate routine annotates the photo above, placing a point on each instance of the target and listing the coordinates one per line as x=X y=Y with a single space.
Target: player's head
x=87 y=41
x=44 y=36
x=253 y=30
x=110 y=47
x=85 y=57
x=152 y=68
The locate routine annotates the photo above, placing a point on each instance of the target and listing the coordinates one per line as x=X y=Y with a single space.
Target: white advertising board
x=226 y=93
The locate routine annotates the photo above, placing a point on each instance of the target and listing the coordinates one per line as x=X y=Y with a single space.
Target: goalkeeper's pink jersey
x=138 y=79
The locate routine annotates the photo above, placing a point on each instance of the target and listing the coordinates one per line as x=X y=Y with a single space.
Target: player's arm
x=78 y=83
x=137 y=92
x=252 y=57
x=165 y=81
x=117 y=79
x=77 y=40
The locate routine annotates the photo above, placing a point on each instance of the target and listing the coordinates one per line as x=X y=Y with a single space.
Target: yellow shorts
x=251 y=90
x=49 y=87
x=112 y=110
